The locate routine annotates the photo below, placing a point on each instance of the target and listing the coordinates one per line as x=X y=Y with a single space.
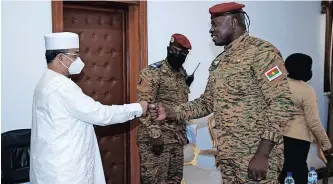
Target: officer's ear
x=60 y=57
x=233 y=22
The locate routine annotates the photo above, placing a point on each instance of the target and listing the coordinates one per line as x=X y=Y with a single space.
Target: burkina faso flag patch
x=273 y=73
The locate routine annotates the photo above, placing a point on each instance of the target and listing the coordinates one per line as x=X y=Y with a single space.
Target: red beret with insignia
x=180 y=40
x=225 y=7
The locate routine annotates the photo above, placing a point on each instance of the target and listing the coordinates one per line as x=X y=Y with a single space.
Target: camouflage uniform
x=247 y=106
x=161 y=84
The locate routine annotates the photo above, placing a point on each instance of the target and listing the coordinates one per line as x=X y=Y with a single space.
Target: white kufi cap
x=63 y=40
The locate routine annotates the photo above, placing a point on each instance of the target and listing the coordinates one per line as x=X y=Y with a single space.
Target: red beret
x=181 y=40
x=225 y=7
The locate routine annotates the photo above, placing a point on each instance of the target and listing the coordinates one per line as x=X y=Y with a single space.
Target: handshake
x=157 y=112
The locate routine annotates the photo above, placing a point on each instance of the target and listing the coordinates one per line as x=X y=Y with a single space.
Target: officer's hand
x=157 y=112
x=144 y=106
x=157 y=145
x=258 y=167
x=189 y=79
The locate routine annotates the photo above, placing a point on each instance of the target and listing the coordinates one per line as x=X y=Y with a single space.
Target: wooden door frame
x=137 y=60
x=327 y=8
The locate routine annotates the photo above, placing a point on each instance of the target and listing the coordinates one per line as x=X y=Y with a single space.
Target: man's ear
x=233 y=22
x=60 y=57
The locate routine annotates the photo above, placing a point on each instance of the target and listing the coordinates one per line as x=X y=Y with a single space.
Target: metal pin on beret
x=220 y=9
x=180 y=40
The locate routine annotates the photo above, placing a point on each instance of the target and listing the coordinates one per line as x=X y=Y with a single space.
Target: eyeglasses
x=72 y=54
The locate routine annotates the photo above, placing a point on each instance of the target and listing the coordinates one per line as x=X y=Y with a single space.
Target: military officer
x=161 y=143
x=248 y=93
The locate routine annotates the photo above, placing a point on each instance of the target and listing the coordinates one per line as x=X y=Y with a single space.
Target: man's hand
x=157 y=112
x=329 y=154
x=144 y=106
x=258 y=167
x=157 y=145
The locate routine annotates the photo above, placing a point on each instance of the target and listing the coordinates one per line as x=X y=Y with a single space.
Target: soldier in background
x=161 y=143
x=248 y=93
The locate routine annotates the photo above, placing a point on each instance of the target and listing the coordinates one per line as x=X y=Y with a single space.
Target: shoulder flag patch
x=273 y=73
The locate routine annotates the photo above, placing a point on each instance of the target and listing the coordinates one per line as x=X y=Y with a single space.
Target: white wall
x=291 y=26
x=24 y=24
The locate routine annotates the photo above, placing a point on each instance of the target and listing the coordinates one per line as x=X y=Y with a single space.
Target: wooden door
x=102 y=49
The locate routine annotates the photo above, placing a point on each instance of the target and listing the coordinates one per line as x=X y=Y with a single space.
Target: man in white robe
x=64 y=148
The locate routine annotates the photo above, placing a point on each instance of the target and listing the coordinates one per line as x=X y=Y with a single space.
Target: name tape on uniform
x=273 y=73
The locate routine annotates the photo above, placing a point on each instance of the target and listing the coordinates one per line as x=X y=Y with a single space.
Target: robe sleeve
x=86 y=109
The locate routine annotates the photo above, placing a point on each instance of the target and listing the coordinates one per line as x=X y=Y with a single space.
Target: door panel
x=102 y=49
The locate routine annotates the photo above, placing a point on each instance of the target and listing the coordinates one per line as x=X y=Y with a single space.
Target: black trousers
x=295 y=155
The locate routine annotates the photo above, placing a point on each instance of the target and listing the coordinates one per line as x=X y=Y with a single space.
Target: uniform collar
x=166 y=68
x=237 y=42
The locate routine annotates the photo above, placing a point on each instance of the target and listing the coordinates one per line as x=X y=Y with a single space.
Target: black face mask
x=176 y=57
x=176 y=60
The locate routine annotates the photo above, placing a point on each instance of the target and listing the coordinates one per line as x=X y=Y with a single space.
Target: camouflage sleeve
x=199 y=107
x=271 y=75
x=147 y=91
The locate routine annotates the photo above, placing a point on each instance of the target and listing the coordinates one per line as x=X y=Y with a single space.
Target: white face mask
x=76 y=66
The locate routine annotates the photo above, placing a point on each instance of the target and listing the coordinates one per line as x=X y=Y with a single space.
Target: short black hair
x=299 y=66
x=51 y=54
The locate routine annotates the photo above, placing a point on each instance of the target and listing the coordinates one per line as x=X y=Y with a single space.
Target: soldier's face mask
x=176 y=57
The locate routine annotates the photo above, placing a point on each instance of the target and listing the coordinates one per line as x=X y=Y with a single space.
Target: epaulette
x=156 y=65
